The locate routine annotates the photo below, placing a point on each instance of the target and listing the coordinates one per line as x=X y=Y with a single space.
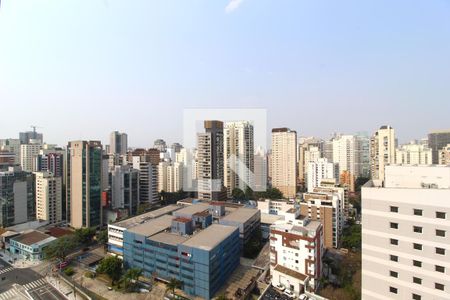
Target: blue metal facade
x=201 y=271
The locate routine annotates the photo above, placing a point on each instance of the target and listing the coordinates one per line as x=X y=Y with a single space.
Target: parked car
x=288 y=293
x=303 y=297
x=62 y=265
x=280 y=287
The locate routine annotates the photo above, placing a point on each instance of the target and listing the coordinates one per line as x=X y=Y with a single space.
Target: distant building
x=48 y=197
x=30 y=245
x=261 y=172
x=28 y=136
x=321 y=169
x=118 y=143
x=124 y=183
x=211 y=162
x=238 y=147
x=436 y=141
x=382 y=151
x=170 y=177
x=28 y=153
x=160 y=144
x=84 y=183
x=7 y=159
x=309 y=150
x=148 y=180
x=405 y=228
x=11 y=146
x=17 y=203
x=296 y=250
x=51 y=162
x=444 y=155
x=413 y=154
x=284 y=161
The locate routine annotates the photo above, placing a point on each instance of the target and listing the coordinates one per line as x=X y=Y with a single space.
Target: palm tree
x=173 y=284
x=130 y=278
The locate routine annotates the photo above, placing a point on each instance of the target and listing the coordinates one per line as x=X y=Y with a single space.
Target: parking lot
x=274 y=294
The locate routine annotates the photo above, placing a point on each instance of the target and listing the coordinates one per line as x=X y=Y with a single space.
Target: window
x=394 y=209
x=393 y=290
x=417 y=246
x=439 y=286
x=440 y=232
x=394 y=258
x=418 y=229
x=418 y=212
x=417 y=263
x=394 y=242
x=440 y=215
x=440 y=251
x=416 y=297
x=439 y=269
x=393 y=274
x=417 y=280
x=394 y=225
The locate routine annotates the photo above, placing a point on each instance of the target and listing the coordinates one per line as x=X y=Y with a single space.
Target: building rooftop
x=169 y=238
x=240 y=215
x=270 y=219
x=33 y=237
x=152 y=226
x=291 y=273
x=192 y=209
x=137 y=220
x=210 y=237
x=182 y=220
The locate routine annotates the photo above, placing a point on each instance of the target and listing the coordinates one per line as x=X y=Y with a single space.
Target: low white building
x=296 y=250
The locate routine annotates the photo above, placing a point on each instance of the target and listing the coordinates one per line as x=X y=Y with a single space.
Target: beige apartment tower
x=84 y=184
x=48 y=197
x=284 y=161
x=382 y=151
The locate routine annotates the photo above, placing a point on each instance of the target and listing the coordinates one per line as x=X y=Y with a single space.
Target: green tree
x=249 y=193
x=174 y=284
x=351 y=237
x=272 y=193
x=102 y=237
x=222 y=297
x=130 y=278
x=60 y=248
x=111 y=266
x=84 y=236
x=253 y=246
x=238 y=194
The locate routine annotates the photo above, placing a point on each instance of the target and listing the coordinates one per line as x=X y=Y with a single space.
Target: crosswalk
x=35 y=284
x=6 y=270
x=9 y=294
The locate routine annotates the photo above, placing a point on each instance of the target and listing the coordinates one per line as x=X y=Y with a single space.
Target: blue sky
x=81 y=69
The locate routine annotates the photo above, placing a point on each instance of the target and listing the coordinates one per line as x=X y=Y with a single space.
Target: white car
x=280 y=287
x=303 y=297
x=288 y=293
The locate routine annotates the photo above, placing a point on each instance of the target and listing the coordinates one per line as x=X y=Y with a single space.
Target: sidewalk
x=18 y=262
x=63 y=287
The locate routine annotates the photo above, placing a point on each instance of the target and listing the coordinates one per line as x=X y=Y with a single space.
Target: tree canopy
x=60 y=248
x=111 y=266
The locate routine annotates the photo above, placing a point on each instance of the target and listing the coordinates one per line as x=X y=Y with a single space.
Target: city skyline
x=89 y=72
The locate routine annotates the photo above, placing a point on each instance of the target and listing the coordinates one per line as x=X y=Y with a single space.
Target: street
x=31 y=281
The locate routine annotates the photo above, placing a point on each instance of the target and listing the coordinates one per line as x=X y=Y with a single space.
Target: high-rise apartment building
x=260 y=161
x=48 y=197
x=362 y=155
x=413 y=154
x=319 y=170
x=284 y=161
x=17 y=203
x=124 y=183
x=382 y=151
x=436 y=141
x=308 y=149
x=296 y=250
x=325 y=206
x=444 y=155
x=51 y=162
x=84 y=183
x=238 y=155
x=211 y=162
x=148 y=179
x=118 y=143
x=405 y=234
x=28 y=153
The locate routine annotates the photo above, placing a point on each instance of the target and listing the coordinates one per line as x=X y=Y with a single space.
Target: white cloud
x=233 y=5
